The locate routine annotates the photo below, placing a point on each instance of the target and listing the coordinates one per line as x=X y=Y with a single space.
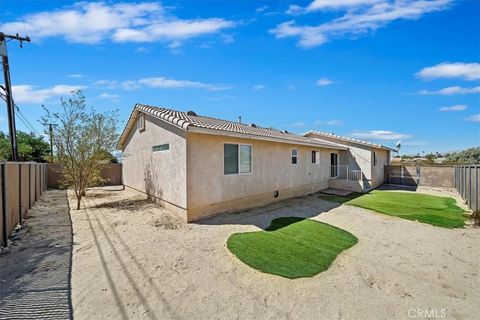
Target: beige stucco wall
x=378 y=171
x=359 y=157
x=160 y=174
x=209 y=191
x=343 y=184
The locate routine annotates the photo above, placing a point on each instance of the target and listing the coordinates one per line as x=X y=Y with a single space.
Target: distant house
x=200 y=166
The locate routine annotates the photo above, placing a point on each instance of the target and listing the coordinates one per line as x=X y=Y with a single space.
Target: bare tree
x=82 y=142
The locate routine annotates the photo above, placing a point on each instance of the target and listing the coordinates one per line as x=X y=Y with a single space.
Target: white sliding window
x=237 y=158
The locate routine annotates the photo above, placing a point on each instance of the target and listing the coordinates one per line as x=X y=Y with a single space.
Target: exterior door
x=333 y=165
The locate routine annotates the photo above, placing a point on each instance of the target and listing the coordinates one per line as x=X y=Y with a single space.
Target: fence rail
x=21 y=183
x=467 y=183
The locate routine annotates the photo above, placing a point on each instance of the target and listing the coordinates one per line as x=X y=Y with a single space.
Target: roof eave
x=255 y=137
x=345 y=139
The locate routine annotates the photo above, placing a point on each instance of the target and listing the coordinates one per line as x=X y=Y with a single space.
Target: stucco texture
x=161 y=174
x=211 y=191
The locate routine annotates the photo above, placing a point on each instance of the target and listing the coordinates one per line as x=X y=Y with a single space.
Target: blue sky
x=380 y=70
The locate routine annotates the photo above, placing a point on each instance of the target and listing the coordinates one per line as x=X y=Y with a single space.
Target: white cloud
x=324 y=82
x=299 y=124
x=317 y=5
x=106 y=84
x=114 y=84
x=171 y=30
x=142 y=50
x=155 y=82
x=93 y=22
x=261 y=9
x=473 y=118
x=76 y=76
x=458 y=107
x=258 y=87
x=452 y=90
x=333 y=122
x=465 y=71
x=358 y=20
x=380 y=135
x=129 y=85
x=31 y=94
x=109 y=96
x=165 y=83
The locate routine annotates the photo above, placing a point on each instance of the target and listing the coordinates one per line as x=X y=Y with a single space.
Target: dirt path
x=35 y=274
x=134 y=260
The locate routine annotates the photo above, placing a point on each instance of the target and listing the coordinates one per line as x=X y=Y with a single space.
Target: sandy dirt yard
x=135 y=260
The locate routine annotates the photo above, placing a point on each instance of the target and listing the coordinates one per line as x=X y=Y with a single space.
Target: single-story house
x=200 y=166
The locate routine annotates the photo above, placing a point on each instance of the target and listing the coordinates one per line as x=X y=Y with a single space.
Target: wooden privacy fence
x=467 y=183
x=112 y=174
x=21 y=184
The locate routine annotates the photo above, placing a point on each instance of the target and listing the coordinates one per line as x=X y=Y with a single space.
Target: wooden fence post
x=4 y=207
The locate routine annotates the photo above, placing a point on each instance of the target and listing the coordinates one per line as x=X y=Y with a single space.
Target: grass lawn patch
x=437 y=211
x=291 y=247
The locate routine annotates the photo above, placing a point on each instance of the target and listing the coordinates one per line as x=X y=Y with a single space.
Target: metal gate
x=403 y=175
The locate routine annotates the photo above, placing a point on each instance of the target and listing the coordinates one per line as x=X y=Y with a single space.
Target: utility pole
x=8 y=89
x=50 y=130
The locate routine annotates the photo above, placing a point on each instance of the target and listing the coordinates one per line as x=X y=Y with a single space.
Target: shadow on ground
x=35 y=274
x=303 y=207
x=393 y=187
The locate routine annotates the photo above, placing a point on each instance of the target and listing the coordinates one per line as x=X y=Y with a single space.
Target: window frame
x=158 y=145
x=294 y=156
x=141 y=122
x=238 y=159
x=375 y=160
x=316 y=155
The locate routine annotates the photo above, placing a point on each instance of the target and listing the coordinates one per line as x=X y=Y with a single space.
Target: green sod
x=437 y=211
x=291 y=247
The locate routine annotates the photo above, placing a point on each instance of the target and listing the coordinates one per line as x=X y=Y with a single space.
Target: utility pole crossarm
x=15 y=37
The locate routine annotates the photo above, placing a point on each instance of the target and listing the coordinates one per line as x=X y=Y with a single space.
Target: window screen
x=245 y=158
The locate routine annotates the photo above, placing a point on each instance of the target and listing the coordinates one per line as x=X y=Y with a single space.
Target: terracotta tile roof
x=321 y=134
x=187 y=120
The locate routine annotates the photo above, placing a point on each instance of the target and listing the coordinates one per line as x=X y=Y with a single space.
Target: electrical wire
x=21 y=116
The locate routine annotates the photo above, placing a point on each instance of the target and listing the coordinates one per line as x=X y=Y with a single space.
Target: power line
x=20 y=114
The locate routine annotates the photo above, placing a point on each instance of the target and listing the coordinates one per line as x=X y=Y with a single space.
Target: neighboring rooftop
x=188 y=121
x=346 y=139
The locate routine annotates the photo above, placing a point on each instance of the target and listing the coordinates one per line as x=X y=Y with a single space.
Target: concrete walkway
x=35 y=272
